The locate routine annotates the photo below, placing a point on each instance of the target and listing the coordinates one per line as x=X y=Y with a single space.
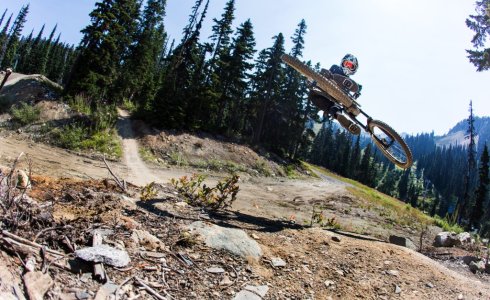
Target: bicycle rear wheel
x=390 y=143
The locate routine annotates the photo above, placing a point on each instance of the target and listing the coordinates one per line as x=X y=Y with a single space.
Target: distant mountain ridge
x=457 y=134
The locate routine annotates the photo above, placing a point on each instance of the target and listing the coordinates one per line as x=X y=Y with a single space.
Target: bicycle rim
x=391 y=144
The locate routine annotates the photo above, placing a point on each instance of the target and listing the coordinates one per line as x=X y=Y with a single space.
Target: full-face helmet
x=349 y=64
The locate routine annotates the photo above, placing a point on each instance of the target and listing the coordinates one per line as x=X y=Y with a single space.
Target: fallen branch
x=29 y=243
x=99 y=270
x=149 y=289
x=121 y=185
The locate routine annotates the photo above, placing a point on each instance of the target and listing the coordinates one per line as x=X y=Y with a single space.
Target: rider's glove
x=326 y=73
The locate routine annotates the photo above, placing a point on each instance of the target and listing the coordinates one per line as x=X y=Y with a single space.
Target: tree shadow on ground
x=224 y=218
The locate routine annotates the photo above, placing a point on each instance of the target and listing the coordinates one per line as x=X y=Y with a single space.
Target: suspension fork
x=365 y=127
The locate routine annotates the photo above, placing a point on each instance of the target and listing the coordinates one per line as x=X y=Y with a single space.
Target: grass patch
x=395 y=210
x=147 y=155
x=25 y=114
x=129 y=105
x=262 y=167
x=446 y=225
x=80 y=104
x=218 y=165
x=78 y=137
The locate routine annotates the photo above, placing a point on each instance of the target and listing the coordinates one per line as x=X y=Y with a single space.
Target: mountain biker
x=348 y=66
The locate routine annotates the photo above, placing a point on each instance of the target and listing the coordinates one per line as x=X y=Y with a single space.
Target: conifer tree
x=177 y=90
x=4 y=39
x=137 y=80
x=14 y=38
x=403 y=185
x=365 y=167
x=104 y=45
x=268 y=83
x=481 y=196
x=222 y=34
x=480 y=23
x=295 y=107
x=235 y=81
x=24 y=52
x=470 y=176
x=3 y=16
x=32 y=61
x=44 y=53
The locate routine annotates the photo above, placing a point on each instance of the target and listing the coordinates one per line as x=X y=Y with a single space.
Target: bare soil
x=274 y=210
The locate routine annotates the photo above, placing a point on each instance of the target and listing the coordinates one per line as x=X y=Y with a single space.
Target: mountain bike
x=340 y=89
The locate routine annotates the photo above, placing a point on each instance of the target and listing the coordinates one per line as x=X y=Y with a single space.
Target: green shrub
x=70 y=136
x=80 y=104
x=78 y=137
x=447 y=225
x=104 y=117
x=128 y=105
x=25 y=114
x=103 y=141
x=196 y=194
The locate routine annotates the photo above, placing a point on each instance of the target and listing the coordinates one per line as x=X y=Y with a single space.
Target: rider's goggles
x=349 y=65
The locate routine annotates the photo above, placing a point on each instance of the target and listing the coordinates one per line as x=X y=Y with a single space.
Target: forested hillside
x=223 y=85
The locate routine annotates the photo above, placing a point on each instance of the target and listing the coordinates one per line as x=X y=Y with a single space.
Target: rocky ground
x=263 y=247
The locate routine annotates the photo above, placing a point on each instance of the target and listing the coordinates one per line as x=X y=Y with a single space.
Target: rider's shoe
x=348 y=124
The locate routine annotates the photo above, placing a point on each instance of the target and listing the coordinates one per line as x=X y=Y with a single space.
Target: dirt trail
x=138 y=172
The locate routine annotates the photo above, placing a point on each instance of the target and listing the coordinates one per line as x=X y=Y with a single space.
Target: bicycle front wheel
x=390 y=143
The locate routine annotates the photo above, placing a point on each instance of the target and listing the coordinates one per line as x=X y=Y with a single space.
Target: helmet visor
x=349 y=65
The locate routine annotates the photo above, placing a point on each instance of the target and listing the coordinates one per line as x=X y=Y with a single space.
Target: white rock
x=252 y=292
x=215 y=270
x=104 y=254
x=277 y=262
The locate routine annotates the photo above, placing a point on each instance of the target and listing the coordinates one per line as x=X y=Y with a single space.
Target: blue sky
x=413 y=64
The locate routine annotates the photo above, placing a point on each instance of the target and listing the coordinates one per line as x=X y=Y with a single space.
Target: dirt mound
x=29 y=88
x=206 y=152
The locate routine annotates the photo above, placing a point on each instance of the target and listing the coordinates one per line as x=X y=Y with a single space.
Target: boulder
x=446 y=239
x=478 y=266
x=232 y=240
x=402 y=241
x=464 y=238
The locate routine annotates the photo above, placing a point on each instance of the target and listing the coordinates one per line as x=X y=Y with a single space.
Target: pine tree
x=32 y=62
x=46 y=49
x=470 y=176
x=3 y=16
x=9 y=60
x=481 y=196
x=365 y=172
x=403 y=185
x=222 y=35
x=104 y=45
x=479 y=23
x=235 y=84
x=268 y=83
x=4 y=39
x=180 y=83
x=295 y=108
x=24 y=52
x=137 y=80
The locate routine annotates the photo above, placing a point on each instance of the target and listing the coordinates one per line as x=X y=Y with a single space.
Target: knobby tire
x=398 y=151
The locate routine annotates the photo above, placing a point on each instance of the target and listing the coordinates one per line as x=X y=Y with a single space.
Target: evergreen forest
x=223 y=85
